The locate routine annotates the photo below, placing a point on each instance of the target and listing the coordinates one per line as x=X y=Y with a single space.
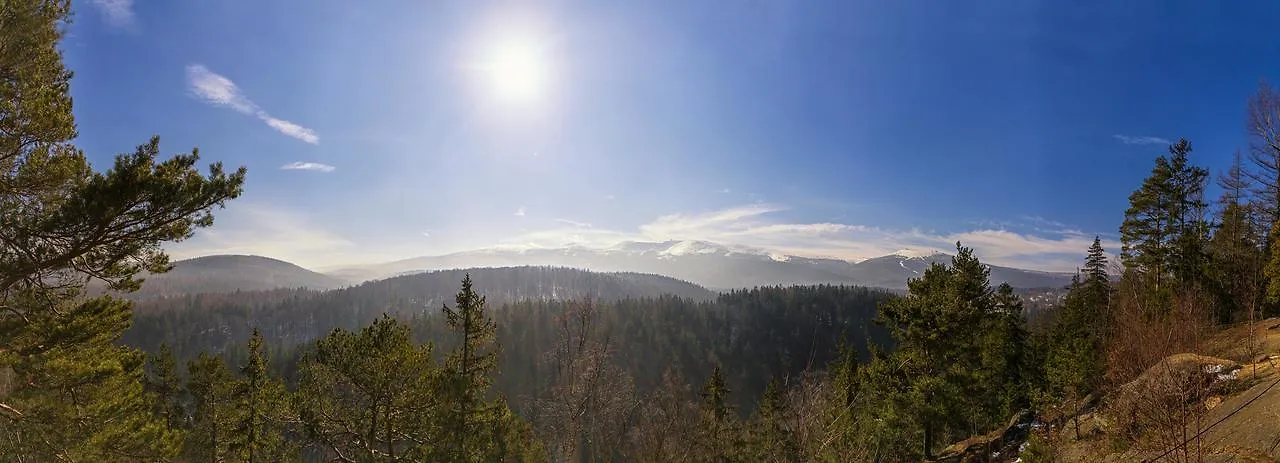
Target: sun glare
x=516 y=70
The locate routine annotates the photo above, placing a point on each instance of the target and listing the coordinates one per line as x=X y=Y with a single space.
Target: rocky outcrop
x=1000 y=445
x=1178 y=382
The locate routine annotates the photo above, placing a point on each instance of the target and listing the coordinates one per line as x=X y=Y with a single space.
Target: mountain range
x=711 y=265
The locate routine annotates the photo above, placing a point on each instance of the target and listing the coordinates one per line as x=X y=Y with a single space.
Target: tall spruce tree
x=1074 y=363
x=478 y=429
x=468 y=369
x=262 y=408
x=64 y=224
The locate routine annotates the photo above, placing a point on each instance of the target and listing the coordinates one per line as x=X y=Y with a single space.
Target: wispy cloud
x=308 y=166
x=217 y=90
x=610 y=197
x=519 y=212
x=1141 y=140
x=291 y=129
x=426 y=234
x=118 y=13
x=574 y=223
x=756 y=226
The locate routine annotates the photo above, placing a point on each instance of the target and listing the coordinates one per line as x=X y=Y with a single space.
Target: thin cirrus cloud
x=217 y=90
x=308 y=166
x=574 y=223
x=754 y=226
x=1141 y=140
x=117 y=13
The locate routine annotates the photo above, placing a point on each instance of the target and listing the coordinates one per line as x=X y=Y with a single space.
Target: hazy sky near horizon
x=375 y=131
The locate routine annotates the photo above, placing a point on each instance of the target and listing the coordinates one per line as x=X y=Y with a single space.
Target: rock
x=999 y=445
x=1173 y=382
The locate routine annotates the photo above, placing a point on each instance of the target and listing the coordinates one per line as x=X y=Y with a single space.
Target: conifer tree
x=63 y=224
x=372 y=395
x=468 y=370
x=478 y=429
x=1164 y=230
x=214 y=410
x=1073 y=361
x=163 y=381
x=1005 y=359
x=772 y=438
x=1095 y=266
x=718 y=437
x=939 y=328
x=262 y=406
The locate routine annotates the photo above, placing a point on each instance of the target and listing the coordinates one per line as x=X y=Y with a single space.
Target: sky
x=375 y=131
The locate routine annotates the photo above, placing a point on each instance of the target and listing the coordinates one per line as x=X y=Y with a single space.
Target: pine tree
x=373 y=394
x=1164 y=231
x=63 y=224
x=262 y=406
x=212 y=388
x=940 y=351
x=163 y=381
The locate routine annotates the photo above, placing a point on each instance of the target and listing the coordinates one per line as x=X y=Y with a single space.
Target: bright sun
x=516 y=70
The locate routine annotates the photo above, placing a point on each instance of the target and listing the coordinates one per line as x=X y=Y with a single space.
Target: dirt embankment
x=1222 y=405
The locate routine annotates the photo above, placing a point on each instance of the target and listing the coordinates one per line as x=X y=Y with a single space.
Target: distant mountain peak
x=682 y=248
x=912 y=253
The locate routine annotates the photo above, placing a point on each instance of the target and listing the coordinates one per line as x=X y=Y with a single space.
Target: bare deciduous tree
x=585 y=409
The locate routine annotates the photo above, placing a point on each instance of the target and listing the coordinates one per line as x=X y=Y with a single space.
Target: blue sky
x=840 y=129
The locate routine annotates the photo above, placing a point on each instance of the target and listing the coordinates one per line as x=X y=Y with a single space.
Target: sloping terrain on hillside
x=1232 y=416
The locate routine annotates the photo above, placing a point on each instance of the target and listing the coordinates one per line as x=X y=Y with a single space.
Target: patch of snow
x=904 y=265
x=682 y=248
x=779 y=257
x=916 y=253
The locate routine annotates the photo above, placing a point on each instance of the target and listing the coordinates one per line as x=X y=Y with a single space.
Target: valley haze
x=710 y=265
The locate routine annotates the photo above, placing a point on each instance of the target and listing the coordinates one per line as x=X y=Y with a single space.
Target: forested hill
x=211 y=321
x=754 y=335
x=228 y=273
